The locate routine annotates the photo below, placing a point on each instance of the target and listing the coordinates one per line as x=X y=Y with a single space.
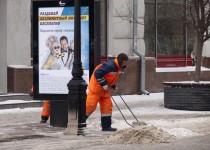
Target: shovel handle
x=127 y=106
x=121 y=113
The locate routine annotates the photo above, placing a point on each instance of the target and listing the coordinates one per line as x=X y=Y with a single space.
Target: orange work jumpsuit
x=97 y=94
x=46 y=109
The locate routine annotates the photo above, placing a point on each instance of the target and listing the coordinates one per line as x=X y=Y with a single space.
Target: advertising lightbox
x=56 y=48
x=53 y=46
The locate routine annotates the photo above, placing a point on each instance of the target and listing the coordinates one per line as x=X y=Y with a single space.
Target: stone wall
x=20 y=78
x=129 y=82
x=206 y=62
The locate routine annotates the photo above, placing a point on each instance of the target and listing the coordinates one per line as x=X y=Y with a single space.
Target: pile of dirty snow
x=140 y=135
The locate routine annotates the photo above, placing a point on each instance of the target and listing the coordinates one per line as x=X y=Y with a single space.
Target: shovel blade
x=137 y=124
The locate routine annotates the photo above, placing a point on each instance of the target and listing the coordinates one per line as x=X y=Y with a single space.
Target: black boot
x=109 y=129
x=44 y=119
x=106 y=122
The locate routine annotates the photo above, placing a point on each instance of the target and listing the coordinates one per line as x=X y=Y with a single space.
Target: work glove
x=114 y=87
x=106 y=87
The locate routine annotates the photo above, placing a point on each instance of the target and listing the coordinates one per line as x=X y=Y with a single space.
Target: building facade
x=15 y=29
x=162 y=32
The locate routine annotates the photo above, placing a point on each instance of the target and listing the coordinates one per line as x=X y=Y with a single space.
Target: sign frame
x=35 y=5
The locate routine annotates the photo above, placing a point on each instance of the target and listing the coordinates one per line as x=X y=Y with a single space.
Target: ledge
x=180 y=69
x=187 y=84
x=20 y=66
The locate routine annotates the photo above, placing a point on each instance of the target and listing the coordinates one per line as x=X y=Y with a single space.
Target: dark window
x=149 y=28
x=166 y=35
x=170 y=32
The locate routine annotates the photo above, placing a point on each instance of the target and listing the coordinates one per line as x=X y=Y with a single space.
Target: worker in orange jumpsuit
x=103 y=78
x=45 y=110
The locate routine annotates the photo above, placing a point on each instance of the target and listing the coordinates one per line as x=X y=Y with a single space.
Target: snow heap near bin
x=140 y=135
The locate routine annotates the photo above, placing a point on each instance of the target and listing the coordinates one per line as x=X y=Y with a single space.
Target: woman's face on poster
x=55 y=49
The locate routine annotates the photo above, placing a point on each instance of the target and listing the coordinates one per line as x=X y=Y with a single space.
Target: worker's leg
x=91 y=103
x=45 y=112
x=106 y=114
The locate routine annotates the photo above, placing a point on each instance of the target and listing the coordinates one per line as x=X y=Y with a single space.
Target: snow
x=180 y=69
x=16 y=101
x=147 y=108
x=12 y=94
x=18 y=110
x=20 y=66
x=190 y=82
x=178 y=132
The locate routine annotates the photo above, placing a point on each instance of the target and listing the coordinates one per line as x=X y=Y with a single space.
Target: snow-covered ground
x=149 y=109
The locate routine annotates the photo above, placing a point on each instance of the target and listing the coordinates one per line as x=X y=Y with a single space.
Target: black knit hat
x=122 y=57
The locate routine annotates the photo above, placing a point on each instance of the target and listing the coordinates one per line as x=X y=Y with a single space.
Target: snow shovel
x=134 y=124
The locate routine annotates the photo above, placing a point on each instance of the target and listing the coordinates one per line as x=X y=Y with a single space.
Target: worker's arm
x=101 y=72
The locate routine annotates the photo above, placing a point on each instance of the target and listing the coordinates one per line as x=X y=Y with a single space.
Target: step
x=18 y=100
x=14 y=96
x=18 y=104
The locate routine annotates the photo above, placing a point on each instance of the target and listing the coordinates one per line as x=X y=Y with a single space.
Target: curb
x=14 y=96
x=21 y=105
x=27 y=101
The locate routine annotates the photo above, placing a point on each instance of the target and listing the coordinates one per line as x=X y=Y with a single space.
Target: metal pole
x=156 y=30
x=185 y=32
x=135 y=50
x=77 y=71
x=97 y=34
x=77 y=86
x=135 y=17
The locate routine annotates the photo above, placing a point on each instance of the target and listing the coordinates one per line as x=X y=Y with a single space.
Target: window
x=166 y=35
x=149 y=29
